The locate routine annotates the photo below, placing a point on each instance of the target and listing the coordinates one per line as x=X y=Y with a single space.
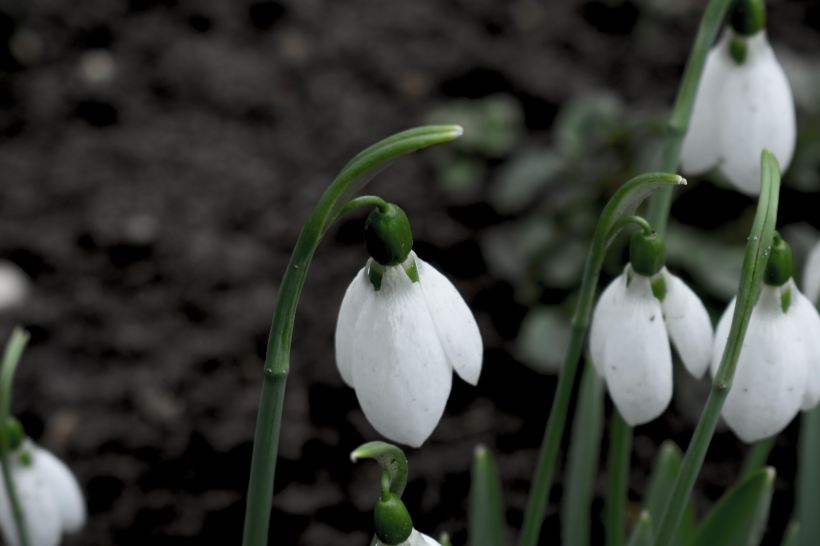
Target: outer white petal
x=807 y=320
x=700 y=145
x=455 y=324
x=65 y=491
x=688 y=323
x=14 y=285
x=757 y=112
x=42 y=516
x=637 y=357
x=811 y=275
x=770 y=379
x=607 y=312
x=357 y=294
x=722 y=336
x=417 y=539
x=400 y=373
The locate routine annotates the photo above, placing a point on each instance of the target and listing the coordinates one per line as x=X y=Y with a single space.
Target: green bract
x=14 y=433
x=393 y=522
x=647 y=253
x=747 y=16
x=387 y=235
x=779 y=268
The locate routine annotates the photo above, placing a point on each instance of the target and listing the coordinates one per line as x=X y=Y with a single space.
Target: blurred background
x=159 y=157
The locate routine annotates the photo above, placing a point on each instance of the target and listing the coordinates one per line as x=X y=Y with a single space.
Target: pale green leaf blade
x=642 y=532
x=486 y=524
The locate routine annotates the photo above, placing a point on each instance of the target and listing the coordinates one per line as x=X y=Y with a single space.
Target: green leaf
x=642 y=532
x=543 y=339
x=583 y=455
x=808 y=478
x=739 y=518
x=522 y=177
x=444 y=539
x=486 y=506
x=390 y=457
x=792 y=535
x=667 y=466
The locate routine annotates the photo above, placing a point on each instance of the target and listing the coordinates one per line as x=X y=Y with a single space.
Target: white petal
x=14 y=285
x=722 y=336
x=688 y=323
x=357 y=294
x=455 y=324
x=770 y=379
x=811 y=275
x=607 y=312
x=757 y=112
x=41 y=515
x=400 y=373
x=699 y=153
x=66 y=492
x=807 y=320
x=637 y=357
x=416 y=539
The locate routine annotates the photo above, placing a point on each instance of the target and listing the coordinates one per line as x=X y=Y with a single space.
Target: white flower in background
x=811 y=275
x=48 y=493
x=416 y=539
x=629 y=340
x=740 y=109
x=778 y=370
x=398 y=347
x=14 y=285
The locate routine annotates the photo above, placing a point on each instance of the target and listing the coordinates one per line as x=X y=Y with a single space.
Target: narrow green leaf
x=756 y=457
x=663 y=477
x=739 y=518
x=583 y=455
x=642 y=532
x=792 y=535
x=808 y=478
x=618 y=465
x=444 y=539
x=486 y=506
x=390 y=457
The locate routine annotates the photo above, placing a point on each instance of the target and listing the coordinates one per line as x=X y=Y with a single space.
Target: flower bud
x=393 y=523
x=647 y=253
x=387 y=235
x=747 y=16
x=780 y=265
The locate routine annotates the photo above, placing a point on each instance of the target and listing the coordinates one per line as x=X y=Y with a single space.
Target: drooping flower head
x=48 y=492
x=778 y=370
x=743 y=104
x=633 y=321
x=402 y=330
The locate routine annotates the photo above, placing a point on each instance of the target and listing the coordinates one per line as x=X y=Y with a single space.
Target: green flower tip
x=747 y=17
x=388 y=236
x=647 y=253
x=393 y=522
x=781 y=263
x=14 y=433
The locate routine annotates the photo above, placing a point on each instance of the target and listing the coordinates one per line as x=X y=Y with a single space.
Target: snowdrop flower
x=14 y=285
x=778 y=371
x=743 y=105
x=633 y=321
x=48 y=493
x=416 y=539
x=402 y=330
x=811 y=275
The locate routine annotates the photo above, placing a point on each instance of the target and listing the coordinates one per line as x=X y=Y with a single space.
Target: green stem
x=660 y=203
x=334 y=201
x=754 y=265
x=645 y=226
x=14 y=350
x=756 y=458
x=363 y=201
x=623 y=203
x=620 y=449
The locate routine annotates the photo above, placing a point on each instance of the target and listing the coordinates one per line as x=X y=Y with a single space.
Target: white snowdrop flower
x=632 y=324
x=811 y=275
x=416 y=539
x=778 y=370
x=14 y=285
x=49 y=495
x=740 y=109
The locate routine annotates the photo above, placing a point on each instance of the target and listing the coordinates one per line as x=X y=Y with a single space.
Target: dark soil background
x=155 y=202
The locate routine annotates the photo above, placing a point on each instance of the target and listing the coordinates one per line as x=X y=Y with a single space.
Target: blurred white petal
x=688 y=323
x=454 y=322
x=811 y=275
x=606 y=314
x=14 y=285
x=722 y=336
x=416 y=539
x=65 y=491
x=807 y=320
x=358 y=293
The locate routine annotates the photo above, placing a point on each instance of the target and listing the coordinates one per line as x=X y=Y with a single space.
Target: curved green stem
x=620 y=449
x=623 y=203
x=754 y=266
x=353 y=177
x=363 y=201
x=660 y=203
x=14 y=350
x=392 y=460
x=647 y=229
